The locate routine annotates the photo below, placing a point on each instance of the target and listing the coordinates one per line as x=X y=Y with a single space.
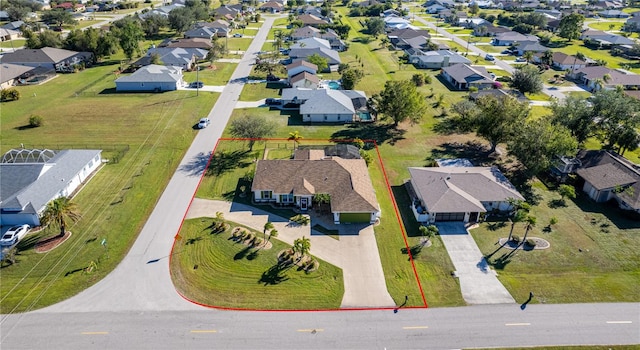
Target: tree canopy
x=571 y=26
x=399 y=101
x=319 y=61
x=129 y=33
x=252 y=128
x=58 y=17
x=375 y=26
x=527 y=79
x=617 y=119
x=350 y=77
x=574 y=113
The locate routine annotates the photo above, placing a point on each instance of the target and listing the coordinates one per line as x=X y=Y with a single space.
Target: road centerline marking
x=94 y=333
x=204 y=331
x=518 y=324
x=415 y=327
x=619 y=322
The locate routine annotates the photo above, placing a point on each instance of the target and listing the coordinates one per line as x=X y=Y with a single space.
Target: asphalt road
x=443 y=328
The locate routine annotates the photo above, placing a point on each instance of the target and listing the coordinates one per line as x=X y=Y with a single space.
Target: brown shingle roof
x=606 y=176
x=347 y=181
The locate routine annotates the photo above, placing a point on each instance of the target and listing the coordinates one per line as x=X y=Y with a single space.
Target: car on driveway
x=14 y=235
x=489 y=57
x=196 y=84
x=521 y=59
x=203 y=123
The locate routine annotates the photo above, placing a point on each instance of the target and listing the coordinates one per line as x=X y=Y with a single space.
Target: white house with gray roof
x=437 y=59
x=459 y=193
x=327 y=105
x=29 y=179
x=332 y=56
x=153 y=77
x=463 y=76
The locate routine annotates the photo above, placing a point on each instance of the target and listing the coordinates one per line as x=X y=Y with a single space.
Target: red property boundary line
x=395 y=207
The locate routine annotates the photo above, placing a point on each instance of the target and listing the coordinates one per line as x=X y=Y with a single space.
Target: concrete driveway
x=356 y=253
x=478 y=283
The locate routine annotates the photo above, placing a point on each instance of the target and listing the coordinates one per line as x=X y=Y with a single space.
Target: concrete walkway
x=478 y=283
x=356 y=253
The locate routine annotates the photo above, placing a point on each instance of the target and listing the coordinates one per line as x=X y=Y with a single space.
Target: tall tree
x=529 y=224
x=350 y=77
x=153 y=23
x=218 y=50
x=267 y=226
x=302 y=246
x=319 y=61
x=180 y=18
x=618 y=119
x=527 y=79
x=571 y=26
x=375 y=26
x=129 y=33
x=493 y=119
x=400 y=100
x=575 y=114
x=58 y=17
x=537 y=142
x=58 y=212
x=252 y=128
x=295 y=137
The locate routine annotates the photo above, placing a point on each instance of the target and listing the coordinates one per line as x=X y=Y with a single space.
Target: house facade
x=151 y=78
x=437 y=59
x=50 y=58
x=294 y=182
x=454 y=193
x=463 y=76
x=33 y=178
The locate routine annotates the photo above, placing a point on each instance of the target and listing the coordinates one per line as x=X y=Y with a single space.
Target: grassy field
x=592 y=257
x=231 y=274
x=12 y=43
x=144 y=135
x=216 y=75
x=606 y=25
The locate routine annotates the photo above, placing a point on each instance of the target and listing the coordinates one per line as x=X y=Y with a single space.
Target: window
x=265 y=194
x=325 y=117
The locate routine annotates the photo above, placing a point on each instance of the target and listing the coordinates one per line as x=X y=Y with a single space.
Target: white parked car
x=203 y=123
x=14 y=235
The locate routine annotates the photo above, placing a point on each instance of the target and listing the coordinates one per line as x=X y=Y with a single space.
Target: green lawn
x=214 y=270
x=13 y=43
x=216 y=75
x=144 y=135
x=592 y=258
x=577 y=46
x=606 y=25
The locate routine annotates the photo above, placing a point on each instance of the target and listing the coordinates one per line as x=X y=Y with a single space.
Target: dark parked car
x=196 y=84
x=273 y=102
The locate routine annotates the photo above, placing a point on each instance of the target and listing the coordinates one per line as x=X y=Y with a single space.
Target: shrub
x=427 y=79
x=10 y=95
x=418 y=79
x=35 y=121
x=531 y=242
x=515 y=238
x=553 y=221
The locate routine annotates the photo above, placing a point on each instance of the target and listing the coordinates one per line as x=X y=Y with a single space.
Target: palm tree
x=301 y=246
x=272 y=233
x=58 y=212
x=267 y=226
x=295 y=137
x=528 y=55
x=321 y=198
x=530 y=222
x=519 y=216
x=278 y=41
x=428 y=232
x=547 y=57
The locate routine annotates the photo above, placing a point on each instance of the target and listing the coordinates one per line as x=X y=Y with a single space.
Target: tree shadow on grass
x=191 y=241
x=274 y=275
x=380 y=132
x=403 y=201
x=415 y=250
x=557 y=203
x=222 y=162
x=243 y=253
x=479 y=154
x=501 y=262
x=496 y=225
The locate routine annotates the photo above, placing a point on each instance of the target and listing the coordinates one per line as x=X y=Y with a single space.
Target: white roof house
x=151 y=78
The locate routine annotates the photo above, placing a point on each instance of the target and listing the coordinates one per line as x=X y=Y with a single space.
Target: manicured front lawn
x=214 y=270
x=13 y=43
x=606 y=25
x=217 y=74
x=144 y=136
x=592 y=258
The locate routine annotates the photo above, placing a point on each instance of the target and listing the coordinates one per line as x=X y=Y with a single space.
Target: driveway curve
x=356 y=253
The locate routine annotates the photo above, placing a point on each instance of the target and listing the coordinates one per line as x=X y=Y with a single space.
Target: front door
x=304 y=203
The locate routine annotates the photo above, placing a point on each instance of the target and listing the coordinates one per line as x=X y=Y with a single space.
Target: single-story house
x=563 y=61
x=31 y=178
x=311 y=20
x=327 y=105
x=304 y=80
x=15 y=25
x=161 y=11
x=332 y=56
x=272 y=6
x=153 y=77
x=193 y=43
x=435 y=8
x=471 y=23
x=598 y=37
x=459 y=193
x=334 y=39
x=592 y=75
x=464 y=76
x=52 y=58
x=437 y=59
x=511 y=38
x=173 y=56
x=295 y=181
x=10 y=72
x=607 y=176
x=530 y=46
x=311 y=43
x=305 y=32
x=70 y=7
x=489 y=30
x=9 y=34
x=443 y=3
x=300 y=66
x=498 y=94
x=613 y=14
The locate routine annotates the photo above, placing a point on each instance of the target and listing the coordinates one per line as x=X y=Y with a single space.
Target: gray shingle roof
x=28 y=187
x=332 y=56
x=155 y=73
x=466 y=73
x=10 y=71
x=45 y=54
x=605 y=176
x=347 y=181
x=461 y=189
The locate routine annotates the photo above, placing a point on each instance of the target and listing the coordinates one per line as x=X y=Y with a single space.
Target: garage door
x=354 y=217
x=449 y=216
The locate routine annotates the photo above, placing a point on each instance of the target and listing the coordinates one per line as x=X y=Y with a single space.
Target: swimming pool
x=333 y=85
x=365 y=117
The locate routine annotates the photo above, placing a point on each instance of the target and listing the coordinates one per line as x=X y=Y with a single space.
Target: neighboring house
x=443 y=3
x=300 y=66
x=553 y=25
x=227 y=11
x=435 y=8
x=29 y=179
x=153 y=78
x=272 y=6
x=604 y=39
x=4 y=16
x=71 y=7
x=312 y=32
x=304 y=80
x=327 y=105
x=607 y=176
x=529 y=46
x=511 y=38
x=220 y=27
x=312 y=43
x=15 y=25
x=632 y=24
x=200 y=32
x=393 y=22
x=613 y=14
x=550 y=14
x=161 y=11
x=591 y=76
x=563 y=61
x=311 y=20
x=437 y=59
x=306 y=32
x=471 y=23
x=9 y=73
x=51 y=58
x=459 y=193
x=409 y=38
x=463 y=76
x=192 y=43
x=295 y=181
x=498 y=94
x=489 y=30
x=173 y=56
x=332 y=56
x=9 y=34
